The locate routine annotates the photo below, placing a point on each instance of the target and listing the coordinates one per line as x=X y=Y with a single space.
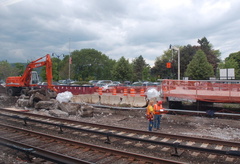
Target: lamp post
x=176 y=49
x=58 y=56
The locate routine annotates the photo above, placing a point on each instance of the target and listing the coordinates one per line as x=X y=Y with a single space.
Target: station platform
x=209 y=91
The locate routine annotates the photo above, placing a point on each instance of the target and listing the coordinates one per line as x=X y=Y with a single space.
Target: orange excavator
x=28 y=81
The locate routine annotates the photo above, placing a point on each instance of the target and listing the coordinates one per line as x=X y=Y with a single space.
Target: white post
x=69 y=73
x=178 y=64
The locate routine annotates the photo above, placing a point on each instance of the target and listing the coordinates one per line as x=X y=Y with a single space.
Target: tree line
x=198 y=62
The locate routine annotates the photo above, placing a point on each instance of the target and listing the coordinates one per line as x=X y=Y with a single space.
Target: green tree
x=89 y=64
x=20 y=68
x=231 y=63
x=7 y=70
x=213 y=56
x=146 y=73
x=64 y=68
x=199 y=68
x=236 y=57
x=159 y=69
x=139 y=65
x=122 y=70
x=187 y=53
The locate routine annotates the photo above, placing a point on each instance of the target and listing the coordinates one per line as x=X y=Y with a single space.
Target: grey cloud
x=30 y=29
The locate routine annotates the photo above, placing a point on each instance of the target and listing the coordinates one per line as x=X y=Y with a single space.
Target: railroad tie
x=131 y=134
x=102 y=130
x=190 y=143
x=165 y=149
x=143 y=136
x=234 y=148
x=153 y=138
x=165 y=139
x=195 y=154
x=211 y=156
x=204 y=145
x=85 y=127
x=121 y=133
x=93 y=128
x=219 y=147
x=127 y=143
x=229 y=159
x=138 y=145
x=151 y=147
x=112 y=131
x=93 y=136
x=103 y=138
x=178 y=141
x=84 y=134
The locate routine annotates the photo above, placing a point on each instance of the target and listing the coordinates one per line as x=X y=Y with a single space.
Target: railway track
x=62 y=150
x=166 y=145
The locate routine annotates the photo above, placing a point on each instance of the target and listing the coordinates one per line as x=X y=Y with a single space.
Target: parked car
x=45 y=83
x=2 y=83
x=66 y=82
x=95 y=88
x=116 y=82
x=127 y=82
x=104 y=82
x=108 y=88
x=120 y=88
x=93 y=82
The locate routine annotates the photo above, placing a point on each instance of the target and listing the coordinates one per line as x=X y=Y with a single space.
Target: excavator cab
x=34 y=78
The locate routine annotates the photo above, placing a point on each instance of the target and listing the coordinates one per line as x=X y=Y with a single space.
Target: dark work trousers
x=157 y=121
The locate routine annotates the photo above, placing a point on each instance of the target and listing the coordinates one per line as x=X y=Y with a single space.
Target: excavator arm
x=26 y=77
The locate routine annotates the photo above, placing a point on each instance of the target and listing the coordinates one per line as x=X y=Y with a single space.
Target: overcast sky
x=29 y=29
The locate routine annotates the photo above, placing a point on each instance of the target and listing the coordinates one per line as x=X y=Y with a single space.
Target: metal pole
x=178 y=63
x=177 y=49
x=69 y=73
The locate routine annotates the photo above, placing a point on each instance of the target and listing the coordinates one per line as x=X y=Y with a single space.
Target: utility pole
x=178 y=50
x=69 y=61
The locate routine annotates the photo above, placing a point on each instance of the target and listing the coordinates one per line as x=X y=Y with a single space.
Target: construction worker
x=158 y=111
x=150 y=115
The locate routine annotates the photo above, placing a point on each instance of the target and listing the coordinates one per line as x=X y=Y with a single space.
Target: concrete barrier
x=139 y=102
x=95 y=99
x=110 y=100
x=124 y=101
x=104 y=99
x=76 y=99
x=131 y=100
x=87 y=98
x=114 y=100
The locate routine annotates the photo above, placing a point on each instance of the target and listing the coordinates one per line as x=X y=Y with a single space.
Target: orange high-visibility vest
x=157 y=109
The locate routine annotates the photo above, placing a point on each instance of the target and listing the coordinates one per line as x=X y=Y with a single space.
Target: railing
x=212 y=91
x=76 y=90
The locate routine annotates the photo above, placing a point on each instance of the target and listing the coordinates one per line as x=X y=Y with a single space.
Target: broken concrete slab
x=48 y=105
x=70 y=108
x=85 y=111
x=58 y=113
